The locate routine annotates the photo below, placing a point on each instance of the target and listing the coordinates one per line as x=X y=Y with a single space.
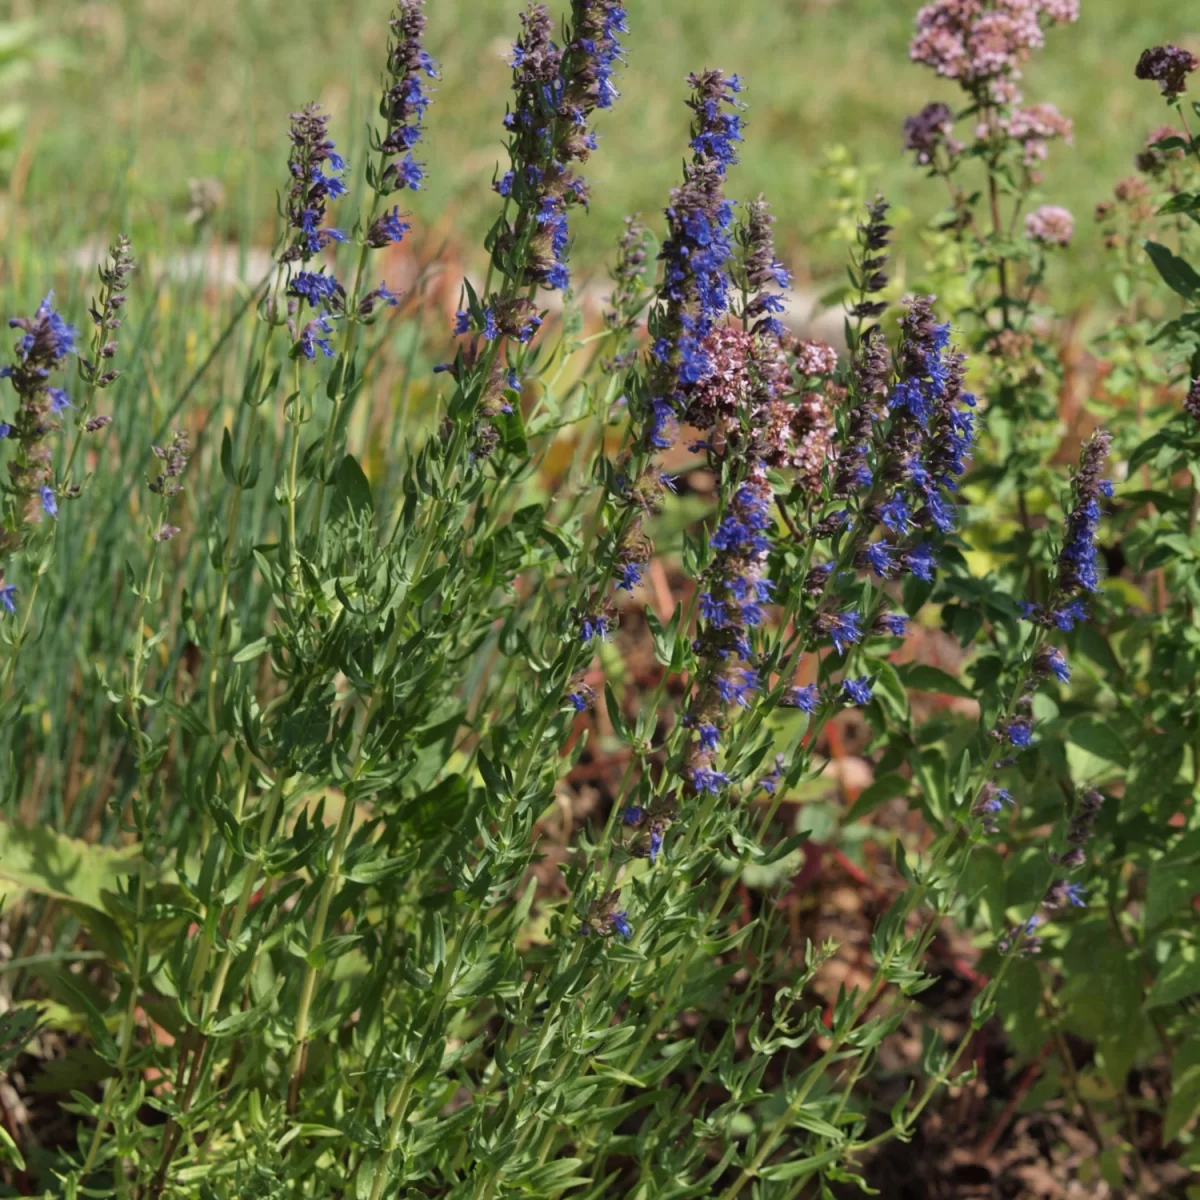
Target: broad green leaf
x=54 y=865
x=1176 y=272
x=922 y=678
x=1169 y=888
x=1184 y=1104
x=885 y=788
x=1178 y=979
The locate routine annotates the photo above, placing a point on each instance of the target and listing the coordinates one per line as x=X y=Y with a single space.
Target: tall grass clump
x=307 y=647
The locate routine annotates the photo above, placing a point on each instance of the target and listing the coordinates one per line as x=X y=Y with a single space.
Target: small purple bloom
x=844 y=630
x=1067 y=614
x=1019 y=732
x=712 y=610
x=858 y=691
x=895 y=515
x=407 y=172
x=633 y=815
x=656 y=841
x=8 y=594
x=631 y=576
x=804 y=698
x=710 y=735
x=388 y=229
x=705 y=779
x=879 y=558
x=920 y=562
x=59 y=400
x=317 y=289
x=594 y=627
x=621 y=924
x=49 y=502
x=1050 y=660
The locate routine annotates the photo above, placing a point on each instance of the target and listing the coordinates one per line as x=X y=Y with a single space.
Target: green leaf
x=1099 y=741
x=1176 y=273
x=353 y=489
x=9 y=1151
x=922 y=678
x=53 y=865
x=227 y=458
x=17 y=1028
x=615 y=715
x=885 y=788
x=1169 y=889
x=1184 y=1104
x=1178 y=979
x=252 y=650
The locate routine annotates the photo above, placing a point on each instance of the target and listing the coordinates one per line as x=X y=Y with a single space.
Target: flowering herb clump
x=454 y=739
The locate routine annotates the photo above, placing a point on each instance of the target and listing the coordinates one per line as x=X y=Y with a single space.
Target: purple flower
x=895 y=515
x=804 y=698
x=705 y=779
x=709 y=735
x=857 y=691
x=1019 y=732
x=373 y=299
x=771 y=781
x=405 y=97
x=387 y=230
x=894 y=624
x=656 y=841
x=49 y=501
x=407 y=173
x=59 y=400
x=1067 y=614
x=8 y=595
x=920 y=561
x=631 y=575
x=633 y=814
x=1169 y=67
x=1050 y=661
x=1077 y=569
x=620 y=922
x=843 y=628
x=315 y=336
x=318 y=289
x=555 y=91
x=733 y=690
x=596 y=626
x=991 y=800
x=311 y=189
x=712 y=610
x=879 y=558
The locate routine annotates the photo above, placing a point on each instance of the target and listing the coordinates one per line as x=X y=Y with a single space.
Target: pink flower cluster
x=1034 y=126
x=1051 y=225
x=983 y=45
x=750 y=388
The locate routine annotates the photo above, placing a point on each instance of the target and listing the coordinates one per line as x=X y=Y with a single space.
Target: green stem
x=293 y=465
x=11 y=665
x=125 y=1037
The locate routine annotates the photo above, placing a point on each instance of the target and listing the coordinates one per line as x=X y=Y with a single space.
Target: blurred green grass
x=167 y=90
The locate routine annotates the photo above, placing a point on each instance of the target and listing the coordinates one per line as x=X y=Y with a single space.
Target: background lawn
x=157 y=92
